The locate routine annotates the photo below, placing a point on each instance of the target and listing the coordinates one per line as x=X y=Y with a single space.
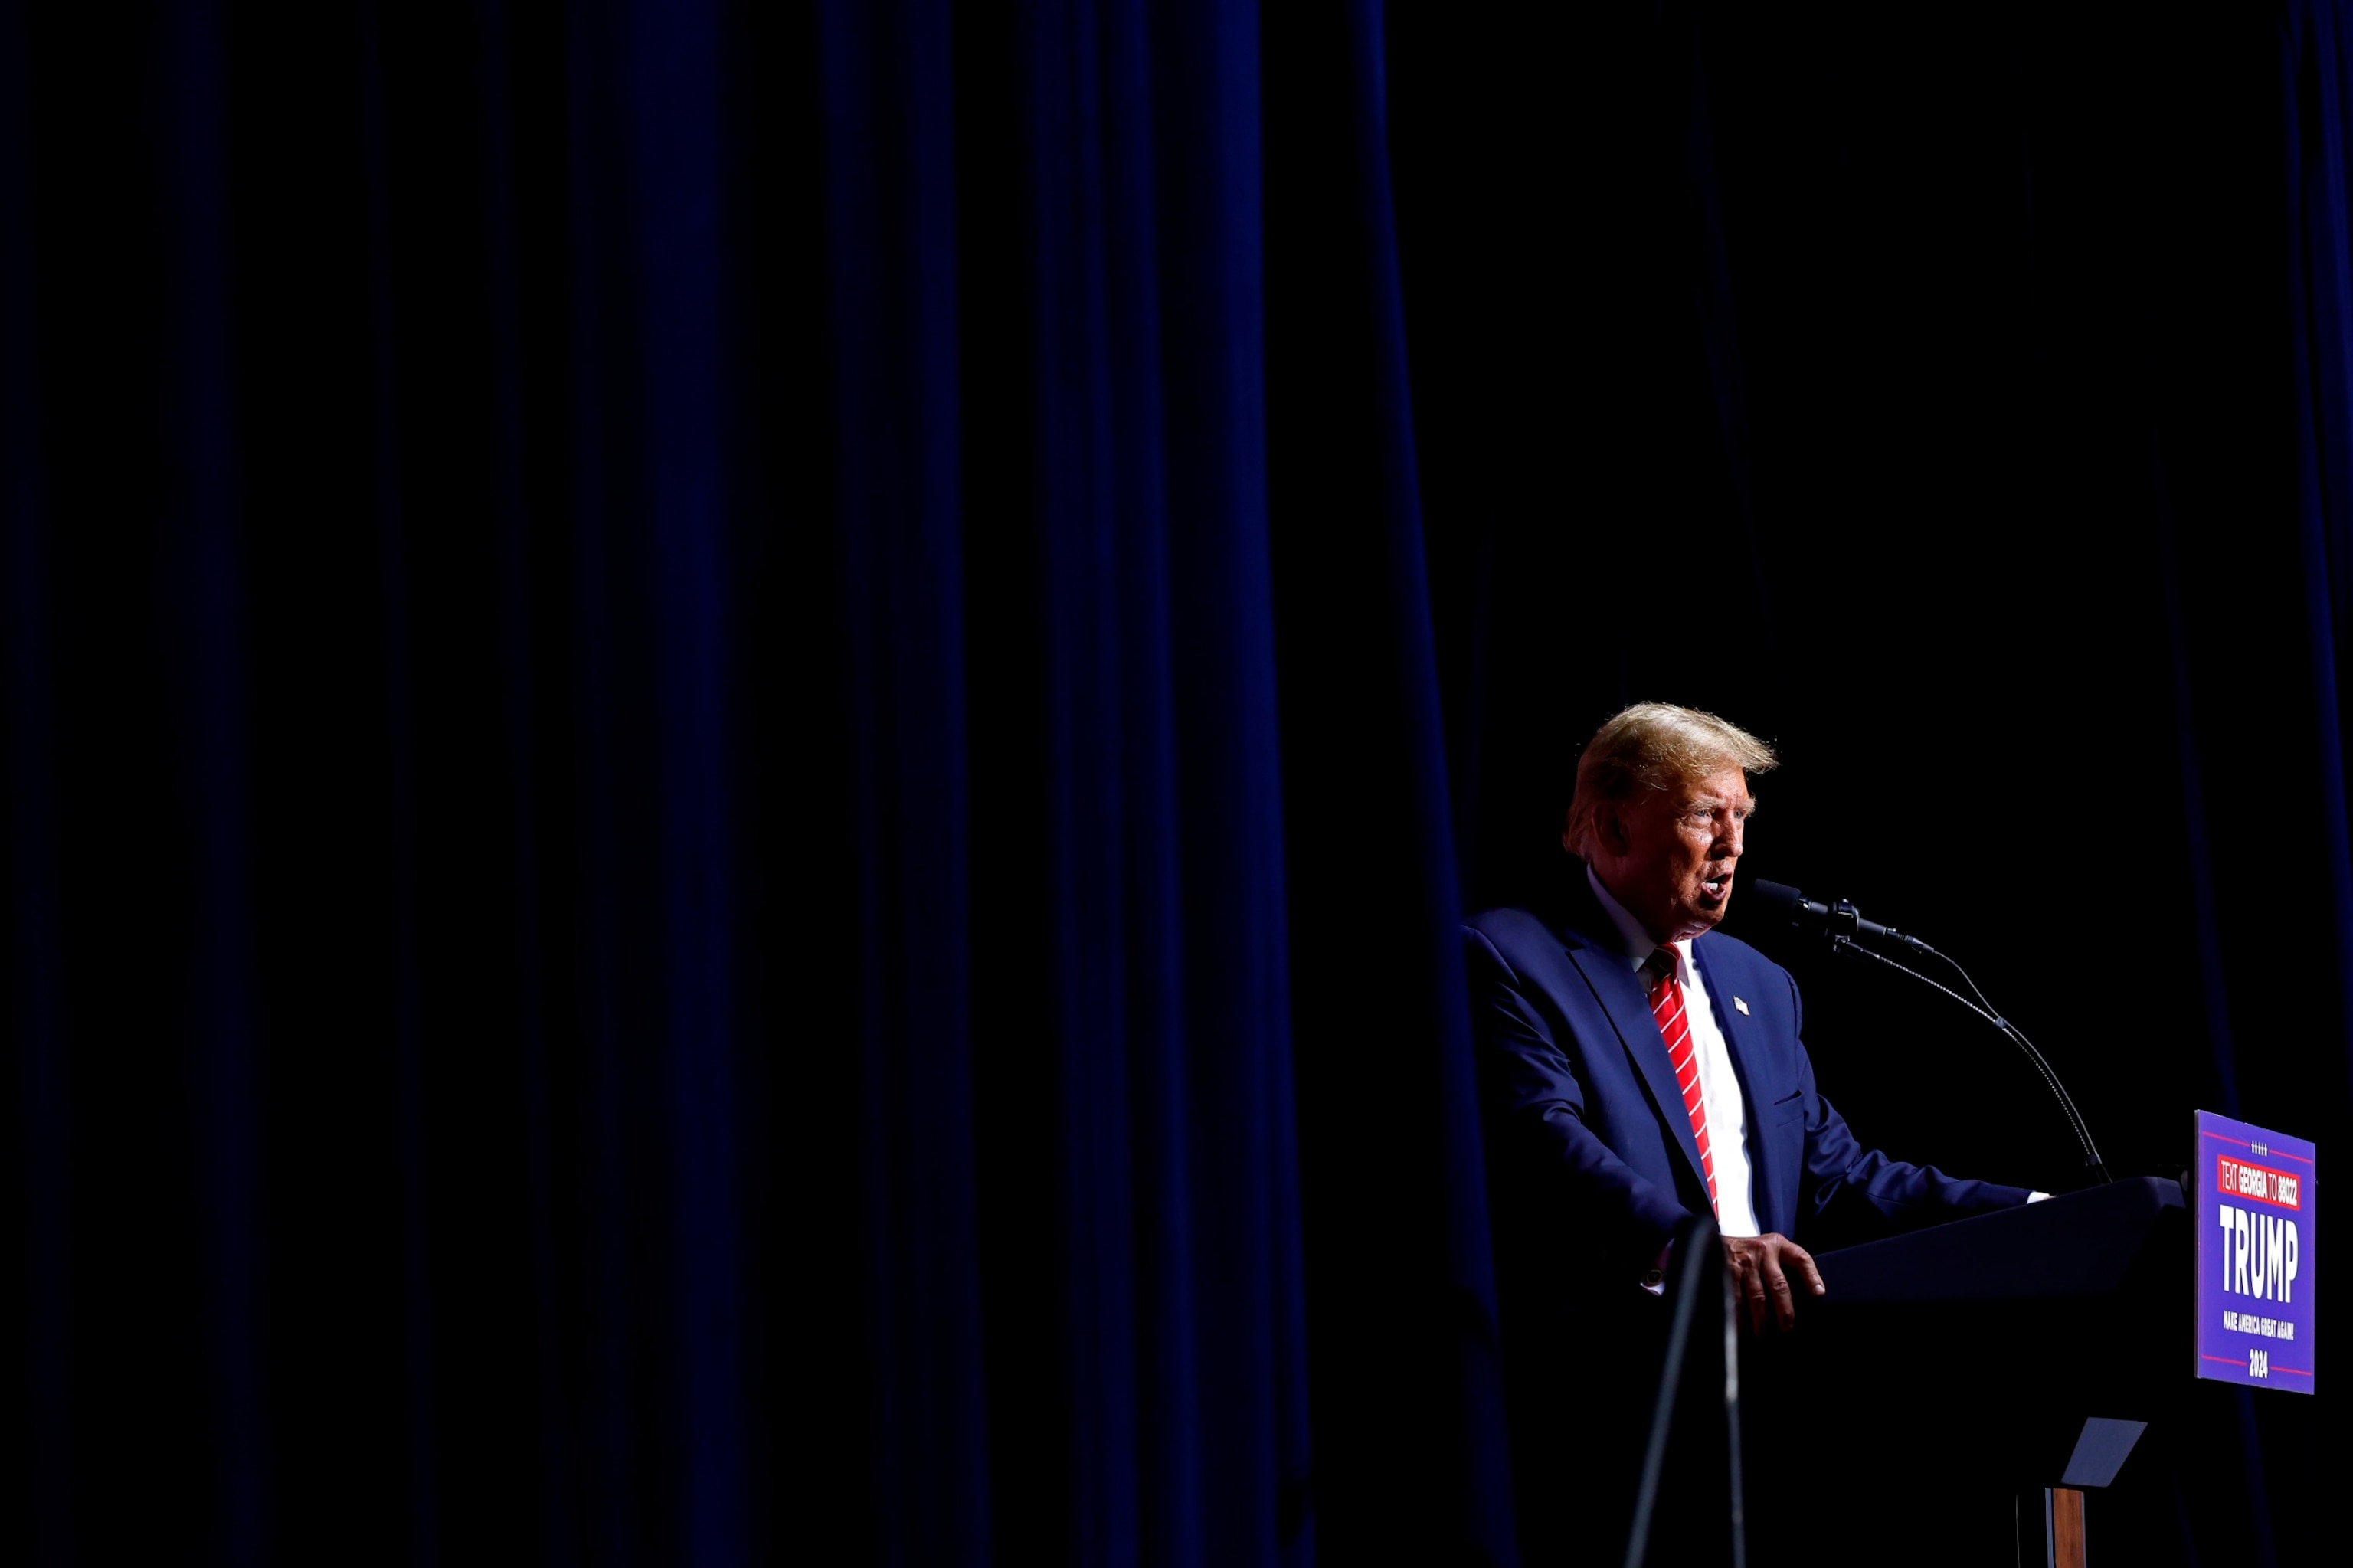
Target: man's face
x=1668 y=855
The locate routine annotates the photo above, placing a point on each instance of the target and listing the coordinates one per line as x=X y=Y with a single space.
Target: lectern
x=2015 y=1354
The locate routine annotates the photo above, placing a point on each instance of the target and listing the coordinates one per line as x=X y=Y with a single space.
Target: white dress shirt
x=1719 y=1086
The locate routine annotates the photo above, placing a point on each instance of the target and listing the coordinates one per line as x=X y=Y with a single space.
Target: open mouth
x=1716 y=887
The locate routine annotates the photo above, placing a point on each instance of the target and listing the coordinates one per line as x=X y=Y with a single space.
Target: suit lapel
x=1621 y=993
x=1739 y=1039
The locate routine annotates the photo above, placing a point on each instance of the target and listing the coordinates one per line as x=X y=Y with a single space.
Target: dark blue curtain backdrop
x=741 y=742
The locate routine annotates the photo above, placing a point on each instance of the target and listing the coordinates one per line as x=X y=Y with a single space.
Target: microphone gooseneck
x=1844 y=927
x=2092 y=1161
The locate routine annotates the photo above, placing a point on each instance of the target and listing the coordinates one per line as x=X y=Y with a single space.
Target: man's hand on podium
x=1761 y=1267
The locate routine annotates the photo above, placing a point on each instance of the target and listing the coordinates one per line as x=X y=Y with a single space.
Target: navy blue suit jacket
x=1588 y=1142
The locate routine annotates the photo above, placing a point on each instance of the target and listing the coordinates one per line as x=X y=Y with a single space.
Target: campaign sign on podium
x=2253 y=1215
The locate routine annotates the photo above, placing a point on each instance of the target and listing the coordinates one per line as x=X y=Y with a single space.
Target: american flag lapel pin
x=1742 y=1005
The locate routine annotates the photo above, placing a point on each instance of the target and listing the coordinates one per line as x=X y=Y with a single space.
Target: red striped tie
x=1675 y=1028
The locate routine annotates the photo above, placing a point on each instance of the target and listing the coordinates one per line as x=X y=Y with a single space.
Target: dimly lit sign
x=2253 y=1196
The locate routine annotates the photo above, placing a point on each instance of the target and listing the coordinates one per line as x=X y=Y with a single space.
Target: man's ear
x=1610 y=827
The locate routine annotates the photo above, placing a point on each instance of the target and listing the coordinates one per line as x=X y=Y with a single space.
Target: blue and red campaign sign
x=2252 y=1196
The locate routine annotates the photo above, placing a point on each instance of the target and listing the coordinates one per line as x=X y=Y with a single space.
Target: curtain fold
x=1401 y=1287
x=2315 y=55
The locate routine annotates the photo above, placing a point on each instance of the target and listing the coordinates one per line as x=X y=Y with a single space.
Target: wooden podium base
x=2059 y=1543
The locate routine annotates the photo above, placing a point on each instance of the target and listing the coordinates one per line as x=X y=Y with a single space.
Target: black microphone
x=1837 y=922
x=1834 y=922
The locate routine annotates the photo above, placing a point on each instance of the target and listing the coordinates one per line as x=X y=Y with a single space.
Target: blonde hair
x=1656 y=745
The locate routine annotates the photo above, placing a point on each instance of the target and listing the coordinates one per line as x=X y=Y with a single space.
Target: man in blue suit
x=1636 y=1065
